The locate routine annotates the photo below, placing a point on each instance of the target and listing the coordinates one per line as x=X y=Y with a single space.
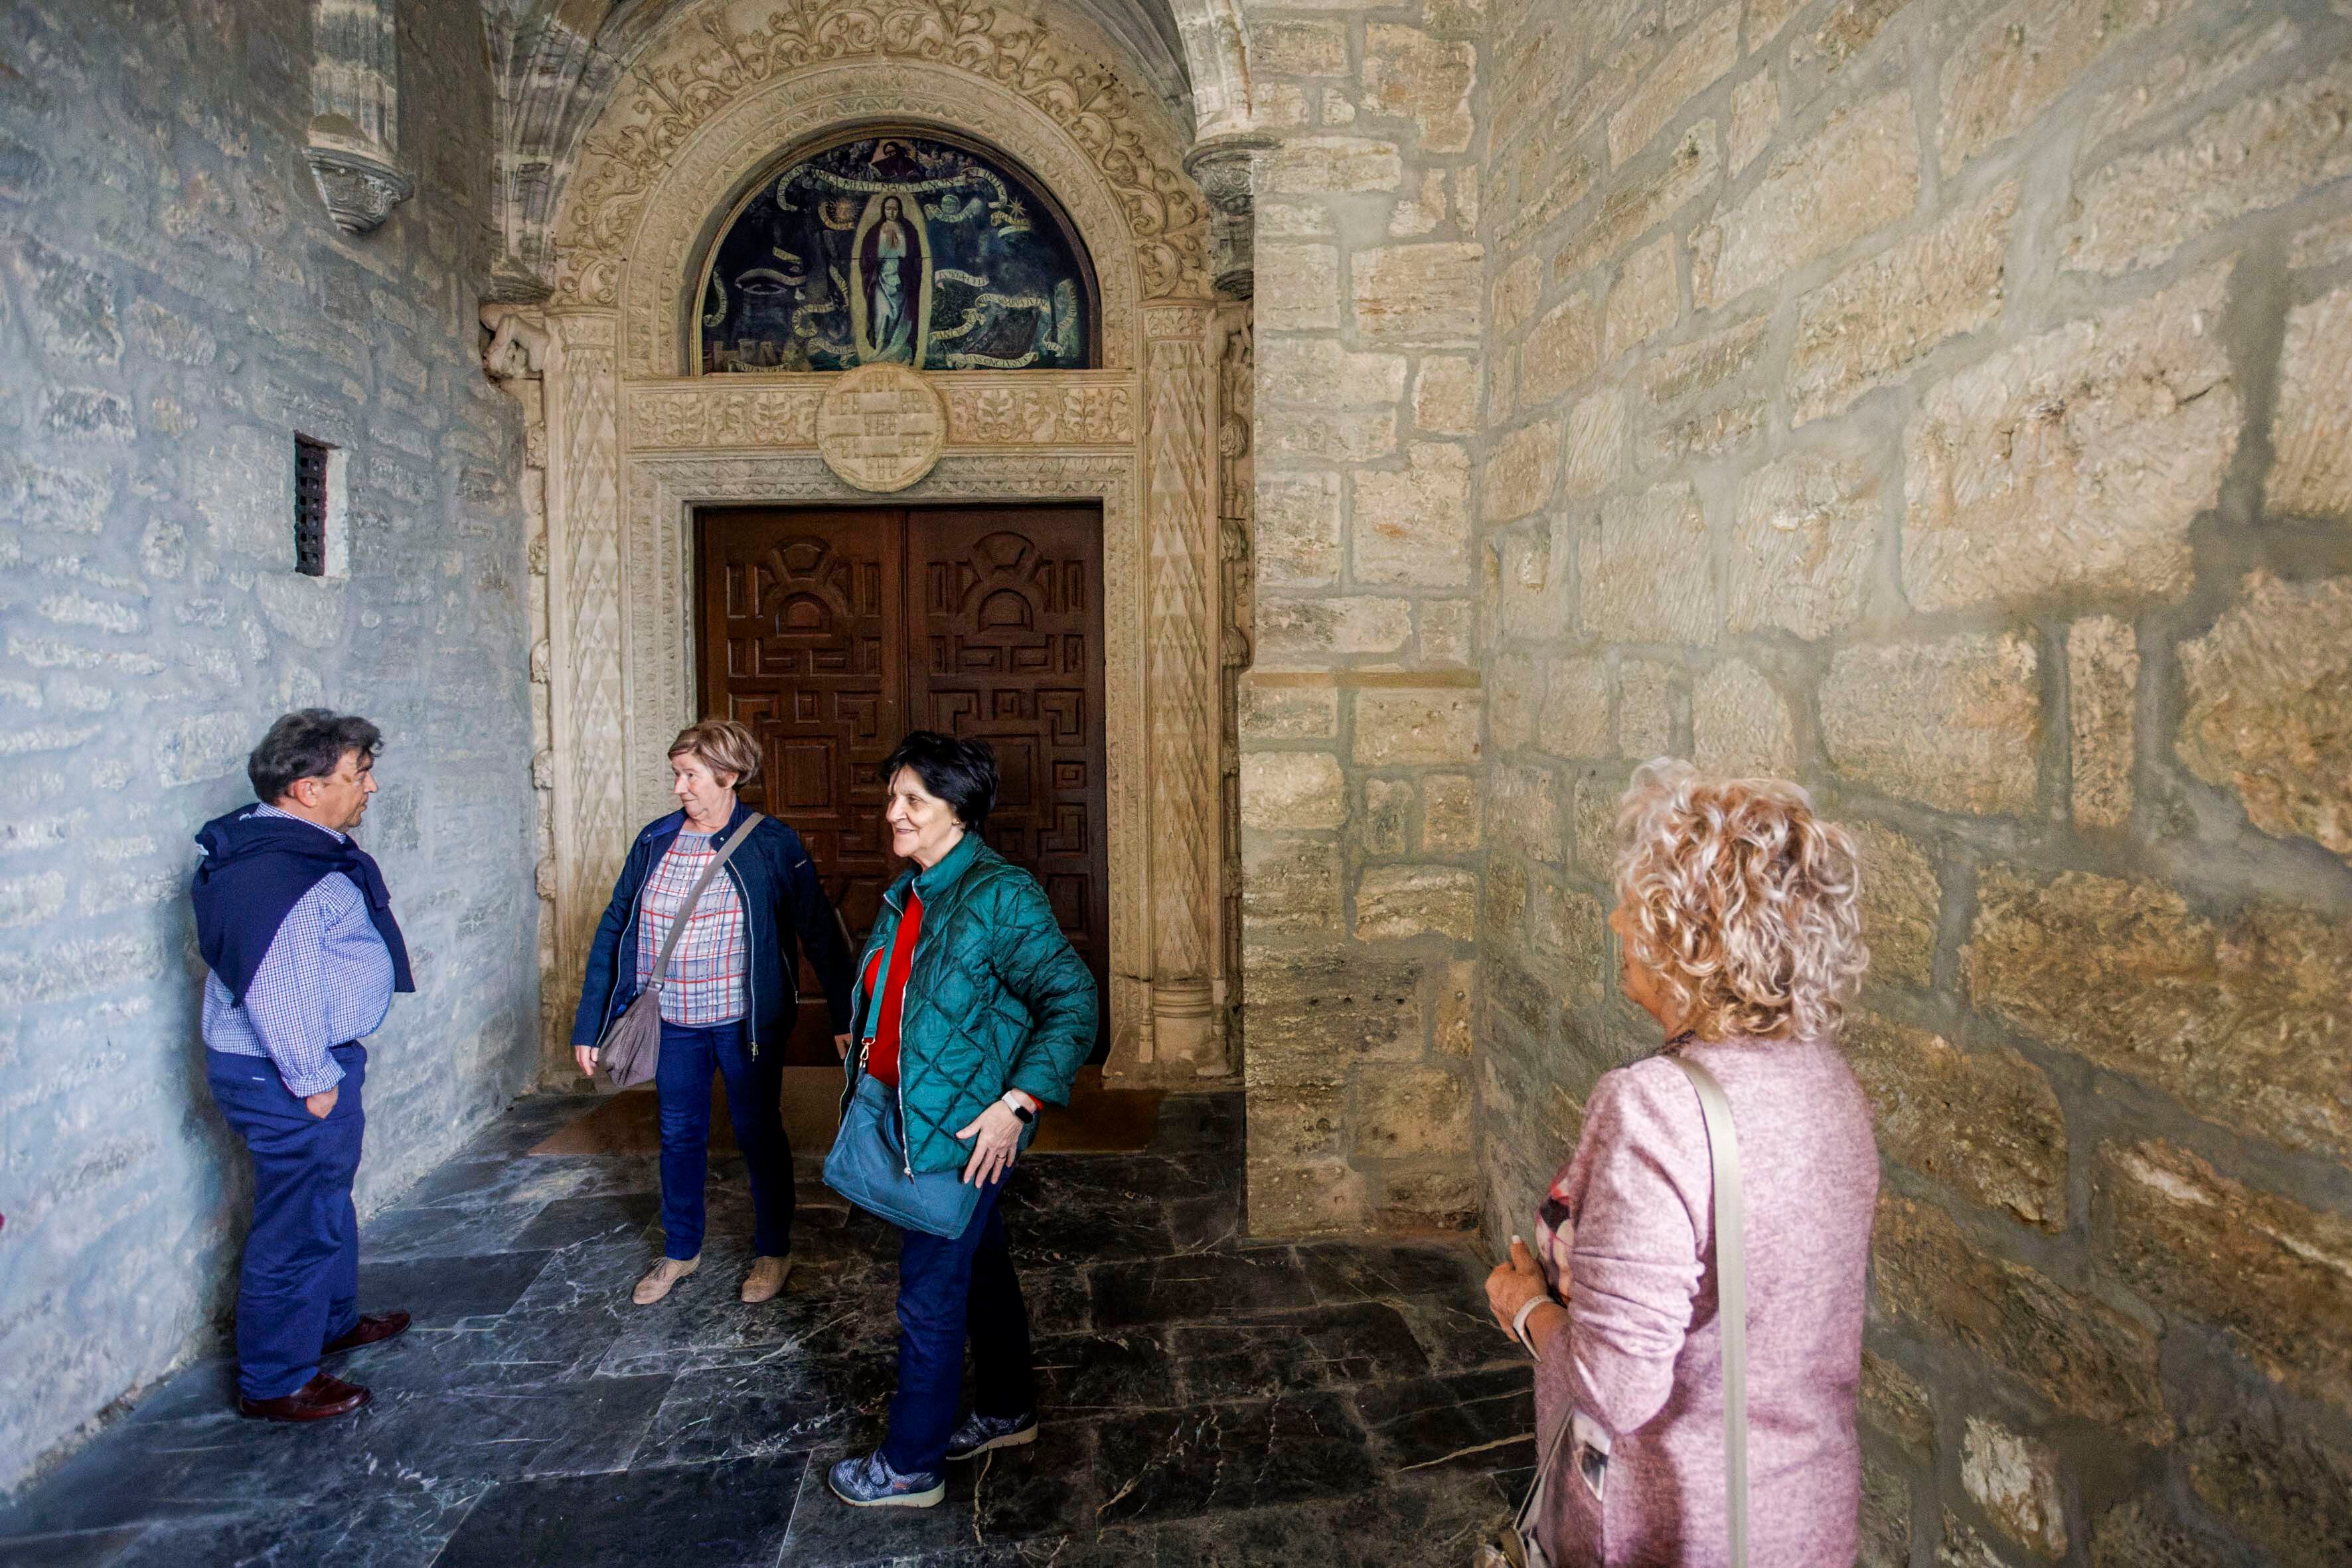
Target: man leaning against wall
x=297 y=932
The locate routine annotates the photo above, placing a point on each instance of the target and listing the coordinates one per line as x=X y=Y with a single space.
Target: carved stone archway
x=630 y=441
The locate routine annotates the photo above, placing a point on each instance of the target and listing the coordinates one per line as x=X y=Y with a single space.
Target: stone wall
x=174 y=305
x=1362 y=724
x=1946 y=404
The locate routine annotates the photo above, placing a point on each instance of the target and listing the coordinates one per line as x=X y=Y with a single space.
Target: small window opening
x=320 y=549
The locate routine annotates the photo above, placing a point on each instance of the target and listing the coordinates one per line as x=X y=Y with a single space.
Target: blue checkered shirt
x=326 y=979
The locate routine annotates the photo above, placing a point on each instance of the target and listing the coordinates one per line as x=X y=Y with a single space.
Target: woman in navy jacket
x=729 y=1001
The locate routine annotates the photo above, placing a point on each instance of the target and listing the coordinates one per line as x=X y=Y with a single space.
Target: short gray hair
x=307 y=743
x=725 y=746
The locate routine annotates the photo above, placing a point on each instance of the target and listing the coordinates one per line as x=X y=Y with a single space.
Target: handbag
x=629 y=1049
x=1731 y=1313
x=868 y=1166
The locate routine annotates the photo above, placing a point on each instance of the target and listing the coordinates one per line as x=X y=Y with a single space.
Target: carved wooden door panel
x=833 y=632
x=1006 y=623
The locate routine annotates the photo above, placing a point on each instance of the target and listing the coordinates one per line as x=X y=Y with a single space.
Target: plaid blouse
x=706 y=974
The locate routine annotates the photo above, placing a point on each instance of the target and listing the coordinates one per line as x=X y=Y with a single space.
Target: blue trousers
x=301 y=1283
x=949 y=1290
x=754 y=1091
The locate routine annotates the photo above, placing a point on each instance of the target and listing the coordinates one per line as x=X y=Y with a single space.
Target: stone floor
x=1204 y=1403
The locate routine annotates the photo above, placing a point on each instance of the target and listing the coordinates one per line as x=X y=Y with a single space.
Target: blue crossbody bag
x=868 y=1166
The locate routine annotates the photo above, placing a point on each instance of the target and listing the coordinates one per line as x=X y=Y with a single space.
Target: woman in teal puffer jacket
x=986 y=1015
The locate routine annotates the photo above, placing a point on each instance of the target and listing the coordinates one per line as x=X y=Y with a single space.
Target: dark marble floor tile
x=1202 y=1286
x=780 y=1407
x=527 y=1123
x=1200 y=1123
x=391 y=1520
x=568 y=1222
x=1060 y=1300
x=83 y=1548
x=437 y=1292
x=584 y=1428
x=1210 y=1458
x=215 y=1462
x=1354 y=1271
x=730 y=1515
x=1082 y=1374
x=206 y=1387
x=1481 y=1421
x=539 y=1179
x=1148 y=1179
x=399 y=1234
x=1032 y=1494
x=1458 y=1333
x=1409 y=1524
x=704 y=1324
x=1218 y=1220
x=1256 y=1355
x=1068 y=1226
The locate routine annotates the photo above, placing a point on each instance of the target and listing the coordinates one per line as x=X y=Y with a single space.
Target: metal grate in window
x=310 y=506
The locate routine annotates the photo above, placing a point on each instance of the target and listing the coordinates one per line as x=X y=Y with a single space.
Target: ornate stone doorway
x=633 y=438
x=833 y=631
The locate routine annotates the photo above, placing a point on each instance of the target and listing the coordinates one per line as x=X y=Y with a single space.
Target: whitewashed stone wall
x=174 y=304
x=1946 y=404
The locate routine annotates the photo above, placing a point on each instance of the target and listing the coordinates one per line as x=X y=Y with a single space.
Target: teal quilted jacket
x=996 y=999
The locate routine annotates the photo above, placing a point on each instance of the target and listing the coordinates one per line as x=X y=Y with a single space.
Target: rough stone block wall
x=174 y=306
x=1947 y=406
x=1363 y=723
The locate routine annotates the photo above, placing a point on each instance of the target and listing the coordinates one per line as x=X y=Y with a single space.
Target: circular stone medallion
x=881 y=426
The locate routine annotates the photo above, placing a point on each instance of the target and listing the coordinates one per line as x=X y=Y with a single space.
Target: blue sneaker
x=868 y=1481
x=979 y=1433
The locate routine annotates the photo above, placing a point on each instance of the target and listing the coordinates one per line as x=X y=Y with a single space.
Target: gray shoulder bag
x=630 y=1050
x=1731 y=1311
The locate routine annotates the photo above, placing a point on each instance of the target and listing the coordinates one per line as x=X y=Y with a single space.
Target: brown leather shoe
x=368 y=1331
x=317 y=1400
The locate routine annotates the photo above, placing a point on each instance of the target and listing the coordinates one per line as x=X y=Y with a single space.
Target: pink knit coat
x=1628 y=1236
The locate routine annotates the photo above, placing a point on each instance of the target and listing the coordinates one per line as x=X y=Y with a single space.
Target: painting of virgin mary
x=893 y=285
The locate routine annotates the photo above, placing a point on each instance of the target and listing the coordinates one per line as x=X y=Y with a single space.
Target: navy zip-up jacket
x=784 y=904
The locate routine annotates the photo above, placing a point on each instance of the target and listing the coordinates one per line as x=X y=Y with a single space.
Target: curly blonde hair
x=1745 y=904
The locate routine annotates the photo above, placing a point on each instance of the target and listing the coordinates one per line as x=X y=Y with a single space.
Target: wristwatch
x=1012 y=1102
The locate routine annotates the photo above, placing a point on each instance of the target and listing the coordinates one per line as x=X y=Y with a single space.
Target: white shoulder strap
x=1731 y=1291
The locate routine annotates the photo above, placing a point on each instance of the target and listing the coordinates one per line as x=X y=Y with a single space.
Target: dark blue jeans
x=949 y=1290
x=754 y=1088
x=301 y=1283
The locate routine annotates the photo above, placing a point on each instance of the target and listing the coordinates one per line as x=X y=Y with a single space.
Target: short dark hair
x=307 y=743
x=961 y=773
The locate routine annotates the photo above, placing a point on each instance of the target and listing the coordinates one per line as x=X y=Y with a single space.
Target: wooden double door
x=833 y=632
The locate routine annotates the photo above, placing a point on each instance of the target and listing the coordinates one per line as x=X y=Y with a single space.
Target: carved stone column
x=587 y=703
x=355 y=134
x=1183 y=653
x=516 y=359
x=1225 y=167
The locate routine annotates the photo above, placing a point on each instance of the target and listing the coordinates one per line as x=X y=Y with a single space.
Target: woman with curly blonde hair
x=1737 y=910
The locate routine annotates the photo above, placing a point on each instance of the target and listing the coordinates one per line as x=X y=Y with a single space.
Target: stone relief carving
x=727 y=48
x=1237 y=607
x=353 y=146
x=709 y=413
x=1183 y=685
x=881 y=426
x=1226 y=167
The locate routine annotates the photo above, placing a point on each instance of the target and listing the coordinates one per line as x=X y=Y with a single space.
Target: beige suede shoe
x=664 y=1274
x=766 y=1280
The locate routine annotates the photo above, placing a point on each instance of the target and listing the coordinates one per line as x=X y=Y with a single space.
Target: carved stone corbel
x=1225 y=169
x=519 y=343
x=353 y=145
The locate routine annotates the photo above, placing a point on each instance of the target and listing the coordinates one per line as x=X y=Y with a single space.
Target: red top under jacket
x=882 y=1056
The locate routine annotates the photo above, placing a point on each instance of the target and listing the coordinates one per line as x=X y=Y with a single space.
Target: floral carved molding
x=976 y=67
x=1049 y=411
